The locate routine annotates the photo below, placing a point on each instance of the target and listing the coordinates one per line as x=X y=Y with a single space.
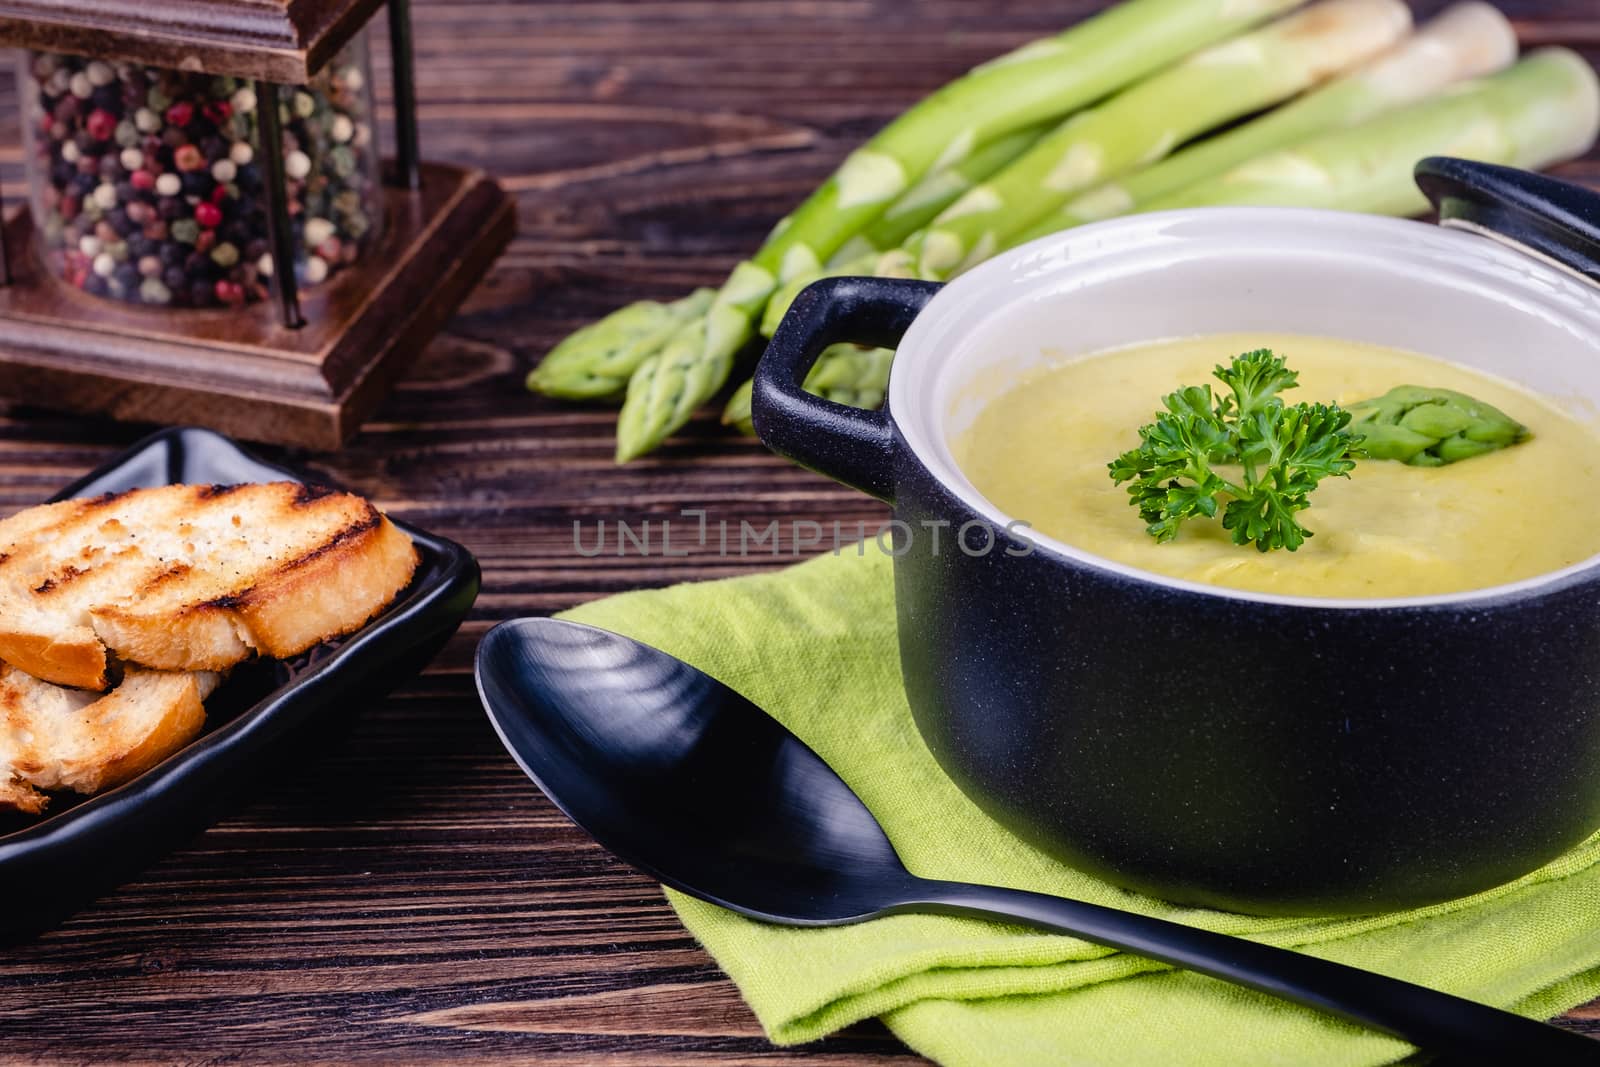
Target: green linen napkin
x=815 y=645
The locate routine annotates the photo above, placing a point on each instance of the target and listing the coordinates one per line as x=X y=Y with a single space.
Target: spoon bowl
x=683 y=778
x=672 y=771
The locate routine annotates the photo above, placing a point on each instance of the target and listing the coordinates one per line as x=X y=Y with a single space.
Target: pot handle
x=1552 y=220
x=847 y=444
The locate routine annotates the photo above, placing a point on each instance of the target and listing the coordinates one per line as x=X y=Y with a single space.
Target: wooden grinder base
x=239 y=371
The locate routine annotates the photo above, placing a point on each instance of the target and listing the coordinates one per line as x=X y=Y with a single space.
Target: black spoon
x=691 y=783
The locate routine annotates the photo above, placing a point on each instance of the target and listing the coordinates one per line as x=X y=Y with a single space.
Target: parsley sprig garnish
x=1272 y=456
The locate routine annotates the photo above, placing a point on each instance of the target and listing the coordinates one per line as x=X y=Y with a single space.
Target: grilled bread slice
x=57 y=738
x=191 y=578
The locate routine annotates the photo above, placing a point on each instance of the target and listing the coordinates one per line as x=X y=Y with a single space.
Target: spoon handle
x=1438 y=1022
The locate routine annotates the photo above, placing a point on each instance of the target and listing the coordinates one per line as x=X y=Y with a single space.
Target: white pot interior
x=1409 y=285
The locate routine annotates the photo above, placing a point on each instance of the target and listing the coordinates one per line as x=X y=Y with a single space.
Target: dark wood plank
x=406 y=895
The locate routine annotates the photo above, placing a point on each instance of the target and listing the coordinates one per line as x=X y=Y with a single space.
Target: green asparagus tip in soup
x=1432 y=427
x=1243 y=454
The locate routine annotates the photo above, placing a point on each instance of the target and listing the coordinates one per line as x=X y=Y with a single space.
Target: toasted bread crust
x=329 y=591
x=332 y=592
x=57 y=738
x=17 y=795
x=76 y=658
x=70 y=655
x=191 y=578
x=175 y=717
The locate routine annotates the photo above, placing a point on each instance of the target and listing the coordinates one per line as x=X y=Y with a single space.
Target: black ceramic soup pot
x=1260 y=753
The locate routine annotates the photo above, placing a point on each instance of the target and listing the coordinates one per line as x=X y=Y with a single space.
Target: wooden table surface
x=407 y=895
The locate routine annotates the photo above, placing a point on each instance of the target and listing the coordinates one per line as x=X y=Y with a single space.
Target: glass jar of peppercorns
x=147 y=184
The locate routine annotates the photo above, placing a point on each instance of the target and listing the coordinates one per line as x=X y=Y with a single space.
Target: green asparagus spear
x=916 y=208
x=845 y=373
x=596 y=362
x=778 y=306
x=855 y=376
x=1028 y=86
x=736 y=412
x=1541 y=111
x=923 y=202
x=1146 y=122
x=1432 y=427
x=1466 y=41
x=580 y=369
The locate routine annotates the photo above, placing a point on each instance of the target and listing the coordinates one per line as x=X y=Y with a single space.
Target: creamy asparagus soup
x=1039 y=452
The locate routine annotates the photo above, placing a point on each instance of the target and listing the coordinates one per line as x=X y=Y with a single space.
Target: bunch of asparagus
x=1107 y=118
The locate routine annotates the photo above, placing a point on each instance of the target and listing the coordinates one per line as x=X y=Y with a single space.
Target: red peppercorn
x=188 y=157
x=229 y=292
x=218 y=111
x=208 y=215
x=219 y=194
x=180 y=113
x=68 y=208
x=101 y=124
x=142 y=179
x=205 y=241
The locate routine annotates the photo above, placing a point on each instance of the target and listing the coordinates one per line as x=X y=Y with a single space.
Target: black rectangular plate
x=267 y=710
